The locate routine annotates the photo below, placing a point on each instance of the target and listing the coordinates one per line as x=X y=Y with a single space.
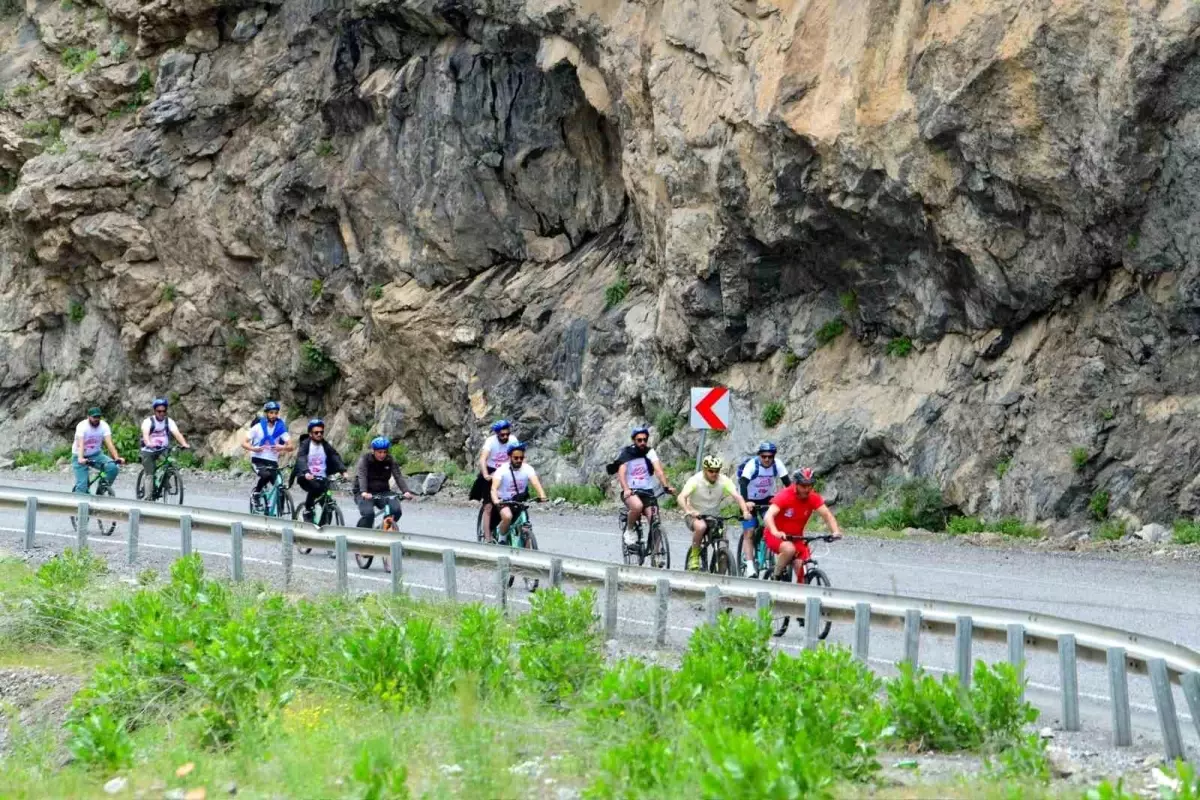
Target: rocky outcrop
x=420 y=214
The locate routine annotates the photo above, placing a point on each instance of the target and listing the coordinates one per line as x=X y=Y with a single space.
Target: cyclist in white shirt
x=157 y=430
x=701 y=497
x=91 y=436
x=266 y=439
x=758 y=481
x=510 y=482
x=493 y=455
x=639 y=472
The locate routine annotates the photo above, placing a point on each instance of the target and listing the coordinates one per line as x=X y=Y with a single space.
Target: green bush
x=217 y=463
x=169 y=293
x=347 y=323
x=79 y=60
x=127 y=438
x=236 y=343
x=1079 y=457
x=830 y=331
x=400 y=665
x=580 y=494
x=1186 y=532
x=324 y=148
x=900 y=347
x=356 y=438
x=1009 y=526
x=559 y=643
x=790 y=360
x=34 y=459
x=482 y=654
x=375 y=292
x=187 y=459
x=665 y=422
x=100 y=739
x=772 y=414
x=316 y=288
x=1002 y=467
x=615 y=293
x=1110 y=530
x=848 y=301
x=1098 y=505
x=76 y=312
x=565 y=447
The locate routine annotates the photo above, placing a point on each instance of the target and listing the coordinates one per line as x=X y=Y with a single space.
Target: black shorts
x=481 y=489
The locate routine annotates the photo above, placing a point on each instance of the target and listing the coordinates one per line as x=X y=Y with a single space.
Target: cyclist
x=316 y=462
x=266 y=439
x=788 y=515
x=375 y=471
x=493 y=455
x=90 y=435
x=757 y=481
x=639 y=468
x=708 y=488
x=157 y=429
x=511 y=482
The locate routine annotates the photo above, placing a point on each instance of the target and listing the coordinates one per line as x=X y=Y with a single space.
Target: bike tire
x=172 y=487
x=528 y=542
x=389 y=524
x=300 y=548
x=720 y=564
x=105 y=528
x=480 y=532
x=780 y=622
x=140 y=489
x=815 y=577
x=285 y=507
x=632 y=554
x=660 y=548
x=363 y=560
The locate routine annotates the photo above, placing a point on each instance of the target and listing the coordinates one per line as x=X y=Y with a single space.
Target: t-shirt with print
x=707 y=497
x=275 y=435
x=793 y=512
x=497 y=452
x=92 y=436
x=514 y=481
x=156 y=432
x=639 y=474
x=317 y=460
x=762 y=486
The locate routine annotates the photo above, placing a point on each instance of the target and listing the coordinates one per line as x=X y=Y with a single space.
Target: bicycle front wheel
x=779 y=622
x=528 y=542
x=660 y=550
x=720 y=563
x=106 y=527
x=142 y=483
x=286 y=507
x=480 y=530
x=172 y=487
x=815 y=577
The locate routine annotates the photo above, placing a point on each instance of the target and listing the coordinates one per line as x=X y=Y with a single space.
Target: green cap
x=94 y=411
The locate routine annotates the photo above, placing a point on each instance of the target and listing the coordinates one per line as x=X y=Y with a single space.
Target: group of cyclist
x=778 y=515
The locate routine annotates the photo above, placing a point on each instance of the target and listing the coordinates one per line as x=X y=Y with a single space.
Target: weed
x=324 y=148
x=347 y=323
x=375 y=292
x=1131 y=242
x=1079 y=457
x=172 y=351
x=615 y=293
x=127 y=438
x=377 y=773
x=168 y=293
x=482 y=654
x=1107 y=414
x=76 y=312
x=559 y=644
x=316 y=362
x=1098 y=505
x=848 y=301
x=79 y=60
x=665 y=423
x=100 y=739
x=316 y=288
x=120 y=49
x=1009 y=526
x=1002 y=467
x=217 y=463
x=42 y=384
x=790 y=360
x=772 y=414
x=8 y=182
x=399 y=665
x=236 y=344
x=357 y=437
x=900 y=347
x=187 y=459
x=22 y=90
x=46 y=129
x=584 y=495
x=1111 y=530
x=34 y=459
x=830 y=331
x=145 y=82
x=565 y=447
x=1186 y=532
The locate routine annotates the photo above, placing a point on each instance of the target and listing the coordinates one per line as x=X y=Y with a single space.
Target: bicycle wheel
x=528 y=542
x=140 y=489
x=631 y=554
x=480 y=531
x=815 y=577
x=172 y=487
x=660 y=550
x=286 y=508
x=363 y=560
x=720 y=563
x=389 y=524
x=106 y=528
x=779 y=622
x=295 y=518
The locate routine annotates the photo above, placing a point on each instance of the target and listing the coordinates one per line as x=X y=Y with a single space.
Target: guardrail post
x=912 y=636
x=862 y=631
x=451 y=575
x=1191 y=693
x=556 y=573
x=131 y=538
x=1016 y=652
x=1118 y=688
x=964 y=629
x=185 y=535
x=662 y=598
x=81 y=521
x=762 y=602
x=30 y=521
x=397 y=559
x=712 y=604
x=1164 y=702
x=289 y=550
x=812 y=623
x=611 y=575
x=341 y=554
x=1068 y=678
x=503 y=567
x=235 y=548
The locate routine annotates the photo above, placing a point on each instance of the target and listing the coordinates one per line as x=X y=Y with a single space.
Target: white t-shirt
x=317 y=460
x=257 y=437
x=156 y=432
x=92 y=437
x=763 y=486
x=497 y=451
x=638 y=474
x=514 y=481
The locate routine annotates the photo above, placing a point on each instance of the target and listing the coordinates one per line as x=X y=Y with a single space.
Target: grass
x=830 y=331
x=1002 y=467
x=1107 y=414
x=914 y=503
x=356 y=438
x=40 y=459
x=772 y=414
x=324 y=148
x=316 y=288
x=168 y=293
x=565 y=447
x=236 y=344
x=1079 y=457
x=1186 y=532
x=79 y=60
x=76 y=312
x=665 y=423
x=790 y=360
x=347 y=323
x=392 y=697
x=172 y=351
x=1110 y=530
x=848 y=301
x=375 y=292
x=900 y=347
x=1098 y=505
x=580 y=494
x=42 y=384
x=217 y=463
x=1009 y=526
x=614 y=293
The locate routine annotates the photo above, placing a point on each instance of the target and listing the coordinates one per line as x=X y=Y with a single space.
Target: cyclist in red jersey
x=788 y=516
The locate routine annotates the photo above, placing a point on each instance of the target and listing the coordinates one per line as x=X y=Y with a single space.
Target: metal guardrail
x=1120 y=651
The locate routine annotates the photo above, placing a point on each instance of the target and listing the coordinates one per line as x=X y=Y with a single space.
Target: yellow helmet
x=713 y=462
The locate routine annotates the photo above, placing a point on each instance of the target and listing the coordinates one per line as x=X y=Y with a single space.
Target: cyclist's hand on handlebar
x=308 y=476
x=409 y=495
x=541 y=500
x=120 y=461
x=367 y=496
x=671 y=490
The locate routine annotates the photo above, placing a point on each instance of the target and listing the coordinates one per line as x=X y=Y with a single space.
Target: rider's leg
x=266 y=472
x=393 y=507
x=149 y=461
x=313 y=490
x=506 y=518
x=635 y=506
x=107 y=466
x=698 y=527
x=787 y=552
x=81 y=475
x=366 y=513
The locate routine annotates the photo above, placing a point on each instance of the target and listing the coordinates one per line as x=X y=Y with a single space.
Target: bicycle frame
x=520 y=517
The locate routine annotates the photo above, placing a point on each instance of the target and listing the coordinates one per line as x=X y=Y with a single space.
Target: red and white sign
x=710 y=408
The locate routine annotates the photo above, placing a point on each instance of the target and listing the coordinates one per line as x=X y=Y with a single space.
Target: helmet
x=316 y=422
x=713 y=462
x=381 y=443
x=271 y=405
x=805 y=476
x=640 y=429
x=500 y=425
x=767 y=447
x=159 y=401
x=515 y=446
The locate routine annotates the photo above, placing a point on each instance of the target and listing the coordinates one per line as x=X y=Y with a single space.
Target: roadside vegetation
x=197 y=684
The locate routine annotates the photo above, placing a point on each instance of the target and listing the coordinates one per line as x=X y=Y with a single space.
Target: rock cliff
x=954 y=238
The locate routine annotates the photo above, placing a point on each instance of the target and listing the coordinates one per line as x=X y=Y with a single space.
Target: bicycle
x=656 y=547
x=713 y=539
x=167 y=481
x=803 y=565
x=100 y=487
x=519 y=536
x=276 y=499
x=384 y=524
x=325 y=512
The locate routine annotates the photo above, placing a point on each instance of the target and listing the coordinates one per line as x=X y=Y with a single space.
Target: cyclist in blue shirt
x=266 y=439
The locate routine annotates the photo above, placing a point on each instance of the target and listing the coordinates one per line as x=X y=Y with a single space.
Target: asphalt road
x=1153 y=597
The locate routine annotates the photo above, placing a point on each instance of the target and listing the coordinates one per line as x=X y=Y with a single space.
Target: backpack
x=737 y=476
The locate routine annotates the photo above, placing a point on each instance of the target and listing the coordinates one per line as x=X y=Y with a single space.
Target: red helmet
x=805 y=476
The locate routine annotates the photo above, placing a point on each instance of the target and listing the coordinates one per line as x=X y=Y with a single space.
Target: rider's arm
x=662 y=477
x=621 y=479
x=362 y=475
x=146 y=432
x=246 y=444
x=495 y=490
x=483 y=457
x=177 y=434
x=831 y=522
x=398 y=477
x=112 y=449
x=688 y=488
x=769 y=520
x=286 y=447
x=741 y=501
x=77 y=449
x=537 y=484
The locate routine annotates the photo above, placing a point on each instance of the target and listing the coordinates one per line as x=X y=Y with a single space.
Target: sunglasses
x=712 y=471
x=640 y=440
x=317 y=432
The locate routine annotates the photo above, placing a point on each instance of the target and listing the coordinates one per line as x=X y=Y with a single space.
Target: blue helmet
x=159 y=401
x=500 y=425
x=271 y=405
x=640 y=429
x=767 y=447
x=381 y=443
x=316 y=422
x=515 y=446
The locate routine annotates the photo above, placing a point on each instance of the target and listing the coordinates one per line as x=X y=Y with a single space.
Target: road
x=1149 y=596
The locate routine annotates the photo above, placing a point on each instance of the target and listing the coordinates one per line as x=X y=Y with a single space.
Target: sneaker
x=307 y=516
x=256 y=502
x=630 y=537
x=693 y=561
x=748 y=570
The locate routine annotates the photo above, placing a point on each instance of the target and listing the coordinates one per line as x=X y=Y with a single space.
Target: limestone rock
x=1154 y=533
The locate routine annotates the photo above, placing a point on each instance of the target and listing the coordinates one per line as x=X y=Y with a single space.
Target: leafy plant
x=347 y=323
x=1110 y=530
x=830 y=331
x=1098 y=505
x=324 y=148
x=168 y=293
x=772 y=414
x=900 y=347
x=399 y=665
x=377 y=773
x=127 y=438
x=790 y=360
x=236 y=343
x=76 y=312
x=1079 y=457
x=316 y=288
x=482 y=653
x=79 y=60
x=559 y=644
x=615 y=293
x=357 y=437
x=584 y=495
x=1009 y=526
x=42 y=384
x=375 y=292
x=565 y=447
x=120 y=50
x=172 y=351
x=665 y=422
x=316 y=361
x=848 y=301
x=217 y=463
x=1186 y=532
x=1002 y=467
x=100 y=739
x=1108 y=413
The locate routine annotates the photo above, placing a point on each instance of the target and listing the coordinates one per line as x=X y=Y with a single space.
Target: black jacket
x=372 y=475
x=333 y=460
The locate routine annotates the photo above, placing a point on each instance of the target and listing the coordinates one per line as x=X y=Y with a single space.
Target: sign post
x=710 y=411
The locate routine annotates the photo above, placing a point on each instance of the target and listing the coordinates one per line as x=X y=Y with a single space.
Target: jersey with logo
x=639 y=472
x=514 y=481
x=92 y=436
x=761 y=480
x=317 y=460
x=157 y=432
x=497 y=452
x=794 y=512
x=263 y=434
x=707 y=497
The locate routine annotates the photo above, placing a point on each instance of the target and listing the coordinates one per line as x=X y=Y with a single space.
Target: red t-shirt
x=793 y=512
